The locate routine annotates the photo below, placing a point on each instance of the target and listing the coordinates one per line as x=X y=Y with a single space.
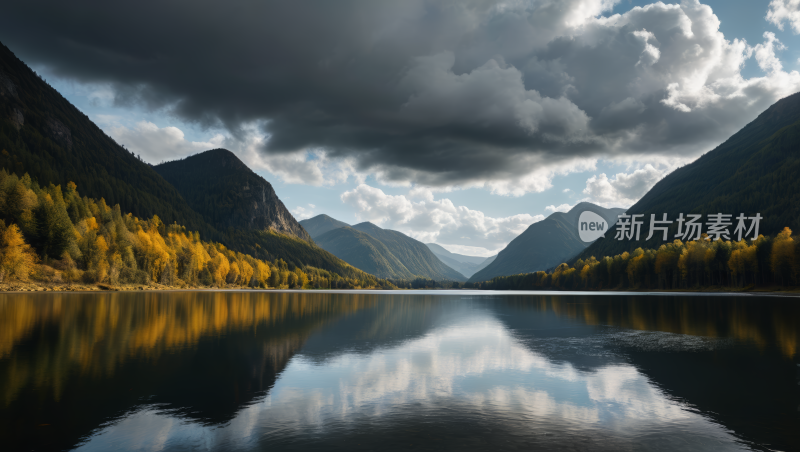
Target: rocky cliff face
x=229 y=194
x=268 y=212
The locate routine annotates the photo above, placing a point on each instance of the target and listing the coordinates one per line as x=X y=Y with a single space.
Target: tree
x=17 y=259
x=783 y=255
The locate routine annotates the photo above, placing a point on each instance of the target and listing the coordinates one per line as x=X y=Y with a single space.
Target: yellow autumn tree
x=246 y=273
x=233 y=273
x=17 y=259
x=783 y=255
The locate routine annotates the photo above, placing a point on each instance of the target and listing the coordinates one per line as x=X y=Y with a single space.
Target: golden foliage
x=17 y=260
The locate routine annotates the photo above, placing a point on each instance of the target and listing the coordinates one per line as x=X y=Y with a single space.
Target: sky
x=458 y=123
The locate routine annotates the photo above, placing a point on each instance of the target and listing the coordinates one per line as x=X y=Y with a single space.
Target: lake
x=422 y=370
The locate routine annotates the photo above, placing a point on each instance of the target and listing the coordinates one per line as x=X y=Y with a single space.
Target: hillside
x=544 y=244
x=41 y=133
x=382 y=252
x=60 y=237
x=466 y=265
x=363 y=252
x=754 y=171
x=321 y=224
x=414 y=255
x=228 y=194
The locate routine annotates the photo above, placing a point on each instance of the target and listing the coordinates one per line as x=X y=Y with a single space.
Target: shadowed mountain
x=466 y=265
x=414 y=255
x=321 y=224
x=544 y=244
x=228 y=194
x=754 y=171
x=41 y=133
x=363 y=252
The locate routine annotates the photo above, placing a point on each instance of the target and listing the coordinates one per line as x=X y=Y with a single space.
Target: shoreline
x=17 y=288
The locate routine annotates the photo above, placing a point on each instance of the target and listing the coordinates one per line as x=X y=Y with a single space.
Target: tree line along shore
x=54 y=239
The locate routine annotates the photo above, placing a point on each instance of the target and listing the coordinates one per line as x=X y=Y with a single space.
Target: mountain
x=321 y=224
x=363 y=252
x=228 y=194
x=44 y=135
x=466 y=265
x=441 y=251
x=485 y=263
x=754 y=171
x=414 y=255
x=382 y=252
x=544 y=244
x=41 y=133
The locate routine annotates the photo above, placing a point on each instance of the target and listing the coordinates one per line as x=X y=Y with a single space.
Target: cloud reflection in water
x=470 y=372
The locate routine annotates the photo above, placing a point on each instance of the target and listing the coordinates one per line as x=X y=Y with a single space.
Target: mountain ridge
x=544 y=244
x=363 y=251
x=753 y=171
x=321 y=224
x=466 y=265
x=399 y=255
x=222 y=188
x=43 y=134
x=416 y=257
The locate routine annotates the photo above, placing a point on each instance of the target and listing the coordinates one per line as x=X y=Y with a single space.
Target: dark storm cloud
x=436 y=92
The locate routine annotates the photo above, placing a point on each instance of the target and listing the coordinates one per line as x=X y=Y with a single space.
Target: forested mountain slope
x=754 y=171
x=45 y=136
x=414 y=255
x=364 y=252
x=382 y=252
x=41 y=133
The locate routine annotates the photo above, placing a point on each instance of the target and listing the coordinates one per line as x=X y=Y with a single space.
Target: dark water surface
x=397 y=371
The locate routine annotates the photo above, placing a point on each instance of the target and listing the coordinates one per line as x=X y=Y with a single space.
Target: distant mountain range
x=363 y=251
x=466 y=265
x=544 y=244
x=382 y=252
x=754 y=171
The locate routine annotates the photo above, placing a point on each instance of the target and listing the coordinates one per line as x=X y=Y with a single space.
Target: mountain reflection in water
x=458 y=370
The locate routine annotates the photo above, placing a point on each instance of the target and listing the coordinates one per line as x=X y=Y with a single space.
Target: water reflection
x=252 y=371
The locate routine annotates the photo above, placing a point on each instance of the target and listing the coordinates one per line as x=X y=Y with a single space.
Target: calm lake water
x=398 y=370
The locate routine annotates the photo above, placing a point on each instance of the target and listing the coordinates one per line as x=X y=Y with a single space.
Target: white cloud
x=437 y=369
x=301 y=213
x=781 y=11
x=561 y=208
x=439 y=221
x=674 y=89
x=650 y=54
x=767 y=60
x=624 y=189
x=156 y=144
